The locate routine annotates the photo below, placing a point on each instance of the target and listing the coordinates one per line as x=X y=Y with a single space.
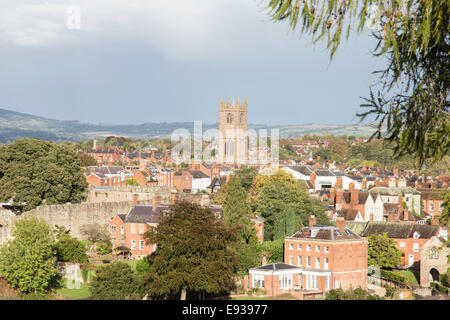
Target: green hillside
x=15 y=125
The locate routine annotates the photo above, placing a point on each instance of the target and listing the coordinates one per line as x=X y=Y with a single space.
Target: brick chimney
x=156 y=202
x=312 y=220
x=340 y=224
x=173 y=198
x=406 y=215
x=339 y=181
x=339 y=199
x=353 y=193
x=312 y=179
x=135 y=200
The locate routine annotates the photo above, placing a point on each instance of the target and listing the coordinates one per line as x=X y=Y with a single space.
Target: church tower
x=233 y=141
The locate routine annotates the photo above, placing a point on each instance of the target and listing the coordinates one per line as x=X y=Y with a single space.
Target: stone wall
x=71 y=216
x=125 y=193
x=74 y=216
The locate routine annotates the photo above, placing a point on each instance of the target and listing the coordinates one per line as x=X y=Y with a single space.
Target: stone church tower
x=233 y=141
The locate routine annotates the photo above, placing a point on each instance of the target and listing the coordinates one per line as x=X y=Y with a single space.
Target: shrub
x=439 y=287
x=392 y=276
x=104 y=247
x=116 y=281
x=143 y=265
x=70 y=249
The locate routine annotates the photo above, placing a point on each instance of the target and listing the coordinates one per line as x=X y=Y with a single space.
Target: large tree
x=410 y=105
x=27 y=261
x=383 y=252
x=286 y=207
x=193 y=256
x=237 y=213
x=35 y=172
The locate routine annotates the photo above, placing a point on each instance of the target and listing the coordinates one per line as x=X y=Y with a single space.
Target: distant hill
x=15 y=125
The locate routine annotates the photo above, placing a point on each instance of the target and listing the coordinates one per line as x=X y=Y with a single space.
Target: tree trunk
x=183 y=294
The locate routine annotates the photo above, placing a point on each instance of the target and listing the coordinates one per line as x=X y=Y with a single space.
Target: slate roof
x=348 y=214
x=324 y=173
x=362 y=196
x=275 y=267
x=356 y=226
x=197 y=174
x=108 y=170
x=400 y=230
x=302 y=169
x=145 y=214
x=325 y=233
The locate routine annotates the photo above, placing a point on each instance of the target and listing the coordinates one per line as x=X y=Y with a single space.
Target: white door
x=410 y=260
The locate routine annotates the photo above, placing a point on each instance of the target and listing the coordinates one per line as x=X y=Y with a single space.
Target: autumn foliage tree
x=193 y=257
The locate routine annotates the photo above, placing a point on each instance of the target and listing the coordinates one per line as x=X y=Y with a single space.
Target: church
x=233 y=139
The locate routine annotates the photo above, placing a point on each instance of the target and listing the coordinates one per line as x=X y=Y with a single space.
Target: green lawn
x=410 y=277
x=75 y=294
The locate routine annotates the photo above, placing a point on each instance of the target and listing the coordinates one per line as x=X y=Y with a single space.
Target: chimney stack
x=135 y=201
x=339 y=181
x=353 y=193
x=173 y=198
x=312 y=220
x=156 y=202
x=340 y=224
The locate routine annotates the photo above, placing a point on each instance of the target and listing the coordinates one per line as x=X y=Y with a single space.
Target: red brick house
x=433 y=200
x=191 y=181
x=316 y=259
x=106 y=157
x=410 y=238
x=127 y=230
x=107 y=176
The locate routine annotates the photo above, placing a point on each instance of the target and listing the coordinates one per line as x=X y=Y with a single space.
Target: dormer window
x=416 y=235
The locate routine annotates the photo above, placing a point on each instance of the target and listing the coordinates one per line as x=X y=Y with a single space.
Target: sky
x=137 y=61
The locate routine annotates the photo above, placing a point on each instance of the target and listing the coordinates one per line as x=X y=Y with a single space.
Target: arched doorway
x=434 y=275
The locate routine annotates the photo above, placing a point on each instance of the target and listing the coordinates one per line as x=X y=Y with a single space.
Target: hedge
x=392 y=276
x=439 y=287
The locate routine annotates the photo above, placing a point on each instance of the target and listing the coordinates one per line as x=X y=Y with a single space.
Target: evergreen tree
x=193 y=256
x=279 y=201
x=116 y=281
x=237 y=213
